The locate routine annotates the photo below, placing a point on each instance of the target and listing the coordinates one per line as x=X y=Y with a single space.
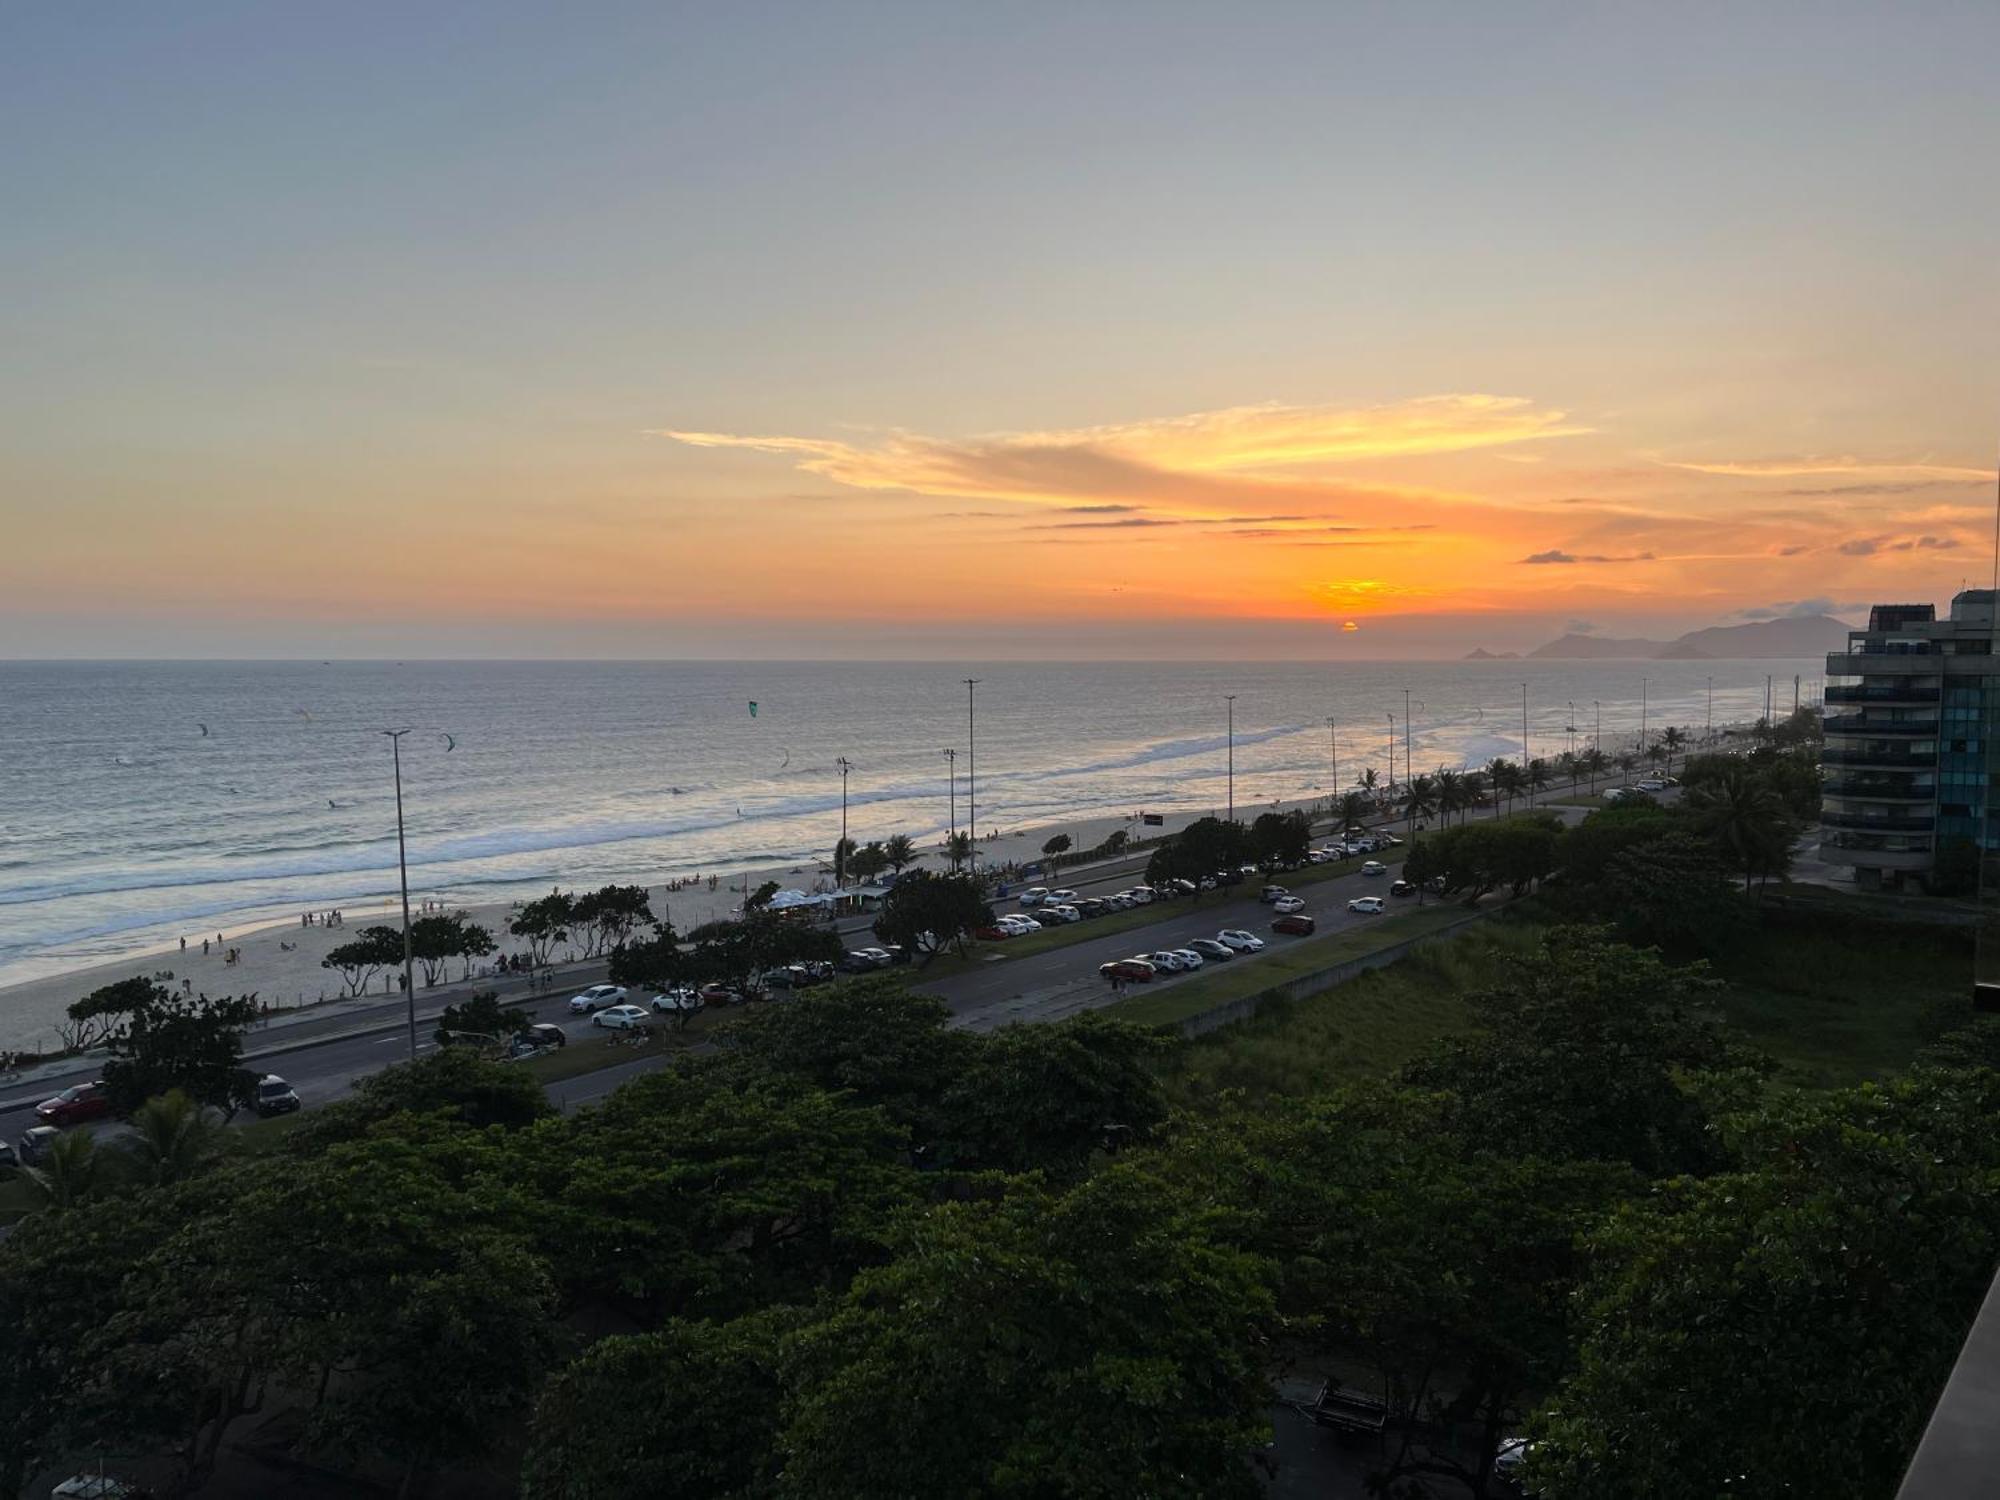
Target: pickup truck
x=1347 y=1410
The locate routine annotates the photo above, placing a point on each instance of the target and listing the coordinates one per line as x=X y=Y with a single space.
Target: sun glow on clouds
x=1173 y=462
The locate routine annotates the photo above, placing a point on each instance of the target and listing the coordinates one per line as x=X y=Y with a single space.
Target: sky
x=910 y=330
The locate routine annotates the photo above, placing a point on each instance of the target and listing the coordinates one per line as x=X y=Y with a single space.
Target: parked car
x=1288 y=904
x=1374 y=867
x=1272 y=893
x=10 y=1158
x=274 y=1096
x=1034 y=896
x=1297 y=923
x=1182 y=888
x=1653 y=784
x=1145 y=895
x=1189 y=956
x=1062 y=912
x=75 y=1104
x=620 y=1017
x=1166 y=960
x=1241 y=941
x=674 y=1002
x=1136 y=970
x=1388 y=841
x=1212 y=948
x=1234 y=877
x=855 y=961
x=36 y=1142
x=1063 y=897
x=1092 y=906
x=993 y=934
x=720 y=994
x=542 y=1034
x=1367 y=905
x=597 y=997
x=98 y=1487
x=1402 y=888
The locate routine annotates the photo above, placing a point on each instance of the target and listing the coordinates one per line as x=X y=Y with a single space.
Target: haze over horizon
x=913 y=331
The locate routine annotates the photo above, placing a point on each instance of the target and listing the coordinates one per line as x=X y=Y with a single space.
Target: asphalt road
x=1063 y=981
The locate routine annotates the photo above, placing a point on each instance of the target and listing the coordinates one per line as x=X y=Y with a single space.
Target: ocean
x=143 y=800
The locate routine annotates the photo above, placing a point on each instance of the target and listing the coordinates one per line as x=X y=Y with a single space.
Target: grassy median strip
x=1219 y=984
x=1142 y=916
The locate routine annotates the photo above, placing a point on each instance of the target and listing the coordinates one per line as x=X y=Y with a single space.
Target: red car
x=992 y=934
x=79 y=1102
x=1134 y=970
x=1296 y=922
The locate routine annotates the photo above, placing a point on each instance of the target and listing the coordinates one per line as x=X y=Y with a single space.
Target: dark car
x=75 y=1104
x=1229 y=877
x=1093 y=906
x=274 y=1096
x=36 y=1142
x=720 y=994
x=854 y=961
x=1297 y=923
x=542 y=1034
x=1402 y=888
x=1272 y=893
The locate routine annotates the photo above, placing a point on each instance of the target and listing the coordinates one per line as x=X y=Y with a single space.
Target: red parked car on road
x=74 y=1105
x=1296 y=923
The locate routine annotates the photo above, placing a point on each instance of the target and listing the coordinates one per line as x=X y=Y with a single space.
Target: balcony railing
x=1861 y=724
x=1867 y=823
x=1882 y=791
x=1909 y=692
x=1888 y=757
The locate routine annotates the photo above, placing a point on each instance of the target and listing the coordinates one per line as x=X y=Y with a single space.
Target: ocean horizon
x=148 y=800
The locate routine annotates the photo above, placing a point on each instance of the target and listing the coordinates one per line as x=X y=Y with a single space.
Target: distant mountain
x=1480 y=653
x=1809 y=635
x=1596 y=648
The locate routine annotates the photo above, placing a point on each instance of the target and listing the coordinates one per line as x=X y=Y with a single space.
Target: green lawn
x=1218 y=984
x=1836 y=1003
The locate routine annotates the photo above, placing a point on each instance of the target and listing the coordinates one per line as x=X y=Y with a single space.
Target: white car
x=1651 y=784
x=1374 y=867
x=1034 y=896
x=1145 y=895
x=1063 y=897
x=620 y=1017
x=1189 y=958
x=674 y=1002
x=1017 y=924
x=1241 y=941
x=1062 y=913
x=596 y=998
x=1165 y=959
x=1285 y=905
x=1369 y=905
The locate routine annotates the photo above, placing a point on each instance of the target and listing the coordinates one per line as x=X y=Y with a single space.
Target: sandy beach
x=279 y=962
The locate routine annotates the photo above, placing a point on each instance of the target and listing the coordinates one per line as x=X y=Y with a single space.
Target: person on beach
x=204 y=947
x=184 y=945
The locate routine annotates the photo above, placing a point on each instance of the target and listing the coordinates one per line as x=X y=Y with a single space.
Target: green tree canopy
x=927 y=913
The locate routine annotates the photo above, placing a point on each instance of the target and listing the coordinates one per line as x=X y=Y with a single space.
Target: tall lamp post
x=1708 y=729
x=1333 y=750
x=951 y=783
x=1569 y=729
x=1524 y=732
x=1642 y=715
x=1392 y=749
x=840 y=849
x=1409 y=765
x=1230 y=699
x=971 y=784
x=403 y=873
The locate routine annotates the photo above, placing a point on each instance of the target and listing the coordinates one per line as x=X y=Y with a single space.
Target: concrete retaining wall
x=1320 y=980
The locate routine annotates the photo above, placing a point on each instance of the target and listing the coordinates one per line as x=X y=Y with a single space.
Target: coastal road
x=1063 y=981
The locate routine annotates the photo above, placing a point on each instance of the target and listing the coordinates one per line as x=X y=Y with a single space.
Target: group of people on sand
x=690 y=883
x=331 y=918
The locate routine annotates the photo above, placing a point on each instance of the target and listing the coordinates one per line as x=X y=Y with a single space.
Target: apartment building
x=1907 y=742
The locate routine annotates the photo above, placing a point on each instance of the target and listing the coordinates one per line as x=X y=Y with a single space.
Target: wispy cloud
x=1770 y=468
x=1216 y=460
x=1868 y=546
x=1557 y=555
x=1127 y=523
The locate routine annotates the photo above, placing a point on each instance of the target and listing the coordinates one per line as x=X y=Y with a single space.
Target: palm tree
x=958 y=848
x=1419 y=800
x=175 y=1139
x=1475 y=791
x=899 y=851
x=1536 y=775
x=1450 y=793
x=1369 y=782
x=1568 y=765
x=1626 y=761
x=1594 y=762
x=1354 y=809
x=1746 y=816
x=1671 y=740
x=1504 y=775
x=68 y=1173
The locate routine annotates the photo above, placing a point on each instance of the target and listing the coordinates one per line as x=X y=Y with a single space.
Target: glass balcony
x=1872 y=823
x=1880 y=692
x=1881 y=790
x=1890 y=757
x=1862 y=724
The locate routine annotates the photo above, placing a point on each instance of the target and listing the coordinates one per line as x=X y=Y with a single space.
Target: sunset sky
x=986 y=330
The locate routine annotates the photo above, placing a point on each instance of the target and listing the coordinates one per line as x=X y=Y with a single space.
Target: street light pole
x=1708 y=729
x=1392 y=749
x=1642 y=716
x=403 y=873
x=1333 y=749
x=1230 y=699
x=1409 y=774
x=1596 y=742
x=971 y=784
x=951 y=782
x=1524 y=730
x=840 y=849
